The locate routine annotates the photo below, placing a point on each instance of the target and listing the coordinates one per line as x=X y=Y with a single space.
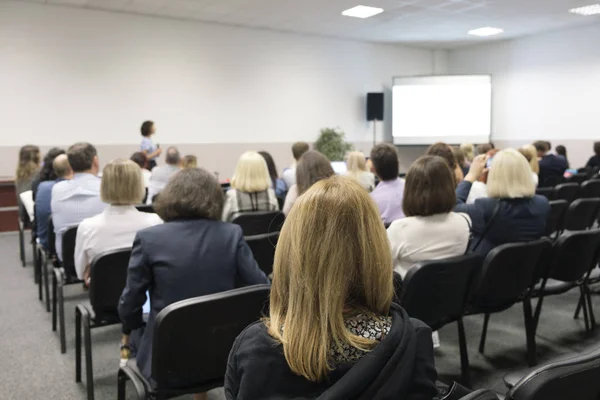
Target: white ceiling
x=431 y=23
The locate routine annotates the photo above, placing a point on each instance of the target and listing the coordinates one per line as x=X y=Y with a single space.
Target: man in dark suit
x=552 y=167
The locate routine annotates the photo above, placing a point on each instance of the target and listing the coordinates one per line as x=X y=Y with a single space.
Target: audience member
x=388 y=194
x=561 y=151
x=122 y=187
x=513 y=212
x=461 y=160
x=250 y=188
x=46 y=172
x=192 y=254
x=356 y=164
x=142 y=161
x=332 y=330
x=430 y=231
x=61 y=170
x=277 y=184
x=469 y=151
x=594 y=161
x=479 y=187
x=552 y=167
x=312 y=167
x=79 y=198
x=161 y=175
x=530 y=156
x=484 y=148
x=289 y=174
x=27 y=168
x=151 y=150
x=189 y=161
x=445 y=151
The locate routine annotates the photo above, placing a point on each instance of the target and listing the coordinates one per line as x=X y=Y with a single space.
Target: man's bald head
x=61 y=167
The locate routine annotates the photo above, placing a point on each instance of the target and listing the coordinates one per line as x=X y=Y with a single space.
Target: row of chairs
x=572 y=190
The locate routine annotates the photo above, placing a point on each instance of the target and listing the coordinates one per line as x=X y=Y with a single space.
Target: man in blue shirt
x=63 y=171
x=79 y=198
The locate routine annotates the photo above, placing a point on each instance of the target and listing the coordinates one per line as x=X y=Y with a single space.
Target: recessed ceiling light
x=586 y=10
x=486 y=31
x=362 y=11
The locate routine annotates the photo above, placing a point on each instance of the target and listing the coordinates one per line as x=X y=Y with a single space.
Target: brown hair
x=429 y=188
x=312 y=167
x=443 y=150
x=384 y=158
x=484 y=148
x=29 y=162
x=597 y=148
x=459 y=156
x=190 y=193
x=327 y=263
x=189 y=161
x=81 y=156
x=299 y=148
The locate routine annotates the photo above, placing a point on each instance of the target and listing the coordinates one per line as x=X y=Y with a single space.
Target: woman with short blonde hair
x=469 y=151
x=356 y=165
x=331 y=310
x=189 y=161
x=250 y=188
x=509 y=176
x=122 y=187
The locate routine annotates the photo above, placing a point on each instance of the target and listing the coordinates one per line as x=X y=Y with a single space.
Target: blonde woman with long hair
x=530 y=153
x=332 y=330
x=27 y=167
x=469 y=151
x=356 y=164
x=250 y=188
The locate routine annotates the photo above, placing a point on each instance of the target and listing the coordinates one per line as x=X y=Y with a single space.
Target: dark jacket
x=552 y=169
x=400 y=367
x=517 y=220
x=179 y=260
x=593 y=162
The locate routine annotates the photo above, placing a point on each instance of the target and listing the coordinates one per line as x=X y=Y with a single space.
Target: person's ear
x=96 y=162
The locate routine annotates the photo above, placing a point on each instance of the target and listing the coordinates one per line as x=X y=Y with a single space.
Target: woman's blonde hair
x=533 y=163
x=29 y=162
x=251 y=173
x=189 y=161
x=469 y=151
x=333 y=256
x=356 y=163
x=122 y=183
x=510 y=176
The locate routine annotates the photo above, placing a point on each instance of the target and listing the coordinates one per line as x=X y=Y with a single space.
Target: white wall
x=68 y=75
x=544 y=87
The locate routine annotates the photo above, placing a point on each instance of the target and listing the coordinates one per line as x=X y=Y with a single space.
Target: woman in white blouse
x=357 y=169
x=122 y=186
x=430 y=231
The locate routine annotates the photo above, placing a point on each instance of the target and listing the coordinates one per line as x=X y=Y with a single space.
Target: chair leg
x=33 y=247
x=486 y=320
x=38 y=270
x=22 y=244
x=46 y=283
x=588 y=296
x=464 y=354
x=61 y=319
x=529 y=332
x=77 y=344
x=54 y=300
x=89 y=372
x=585 y=310
x=121 y=385
x=578 y=309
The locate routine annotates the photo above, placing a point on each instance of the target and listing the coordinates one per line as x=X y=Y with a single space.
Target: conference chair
x=24 y=223
x=508 y=275
x=261 y=231
x=192 y=341
x=556 y=218
x=482 y=394
x=147 y=208
x=48 y=255
x=578 y=178
x=547 y=192
x=573 y=377
x=590 y=189
x=108 y=277
x=437 y=292
x=64 y=275
x=582 y=214
x=574 y=256
x=566 y=191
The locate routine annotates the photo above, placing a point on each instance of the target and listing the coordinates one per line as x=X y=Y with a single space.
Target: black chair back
x=68 y=253
x=582 y=214
x=508 y=271
x=481 y=394
x=446 y=283
x=590 y=189
x=547 y=192
x=193 y=337
x=556 y=218
x=260 y=222
x=147 y=208
x=575 y=254
x=566 y=191
x=108 y=277
x=578 y=178
x=575 y=378
x=51 y=238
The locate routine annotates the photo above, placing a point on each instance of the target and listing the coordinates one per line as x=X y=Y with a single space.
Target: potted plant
x=331 y=143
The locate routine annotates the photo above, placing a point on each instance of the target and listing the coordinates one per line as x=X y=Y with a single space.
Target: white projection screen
x=451 y=109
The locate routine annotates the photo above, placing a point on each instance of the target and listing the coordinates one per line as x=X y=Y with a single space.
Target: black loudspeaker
x=374 y=106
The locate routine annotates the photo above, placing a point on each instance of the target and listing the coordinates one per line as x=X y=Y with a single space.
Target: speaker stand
x=374 y=132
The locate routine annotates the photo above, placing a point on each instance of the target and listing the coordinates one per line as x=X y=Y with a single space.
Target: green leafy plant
x=331 y=143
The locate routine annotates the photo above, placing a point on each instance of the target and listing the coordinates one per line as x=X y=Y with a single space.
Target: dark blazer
x=179 y=260
x=401 y=366
x=517 y=220
x=593 y=162
x=552 y=169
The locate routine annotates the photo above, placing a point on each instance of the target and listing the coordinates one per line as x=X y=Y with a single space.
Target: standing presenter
x=151 y=150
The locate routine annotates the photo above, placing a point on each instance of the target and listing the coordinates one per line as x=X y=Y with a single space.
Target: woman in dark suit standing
x=192 y=254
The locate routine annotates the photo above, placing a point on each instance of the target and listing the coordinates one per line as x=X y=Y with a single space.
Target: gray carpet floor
x=32 y=367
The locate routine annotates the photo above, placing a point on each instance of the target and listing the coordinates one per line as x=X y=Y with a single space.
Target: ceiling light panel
x=486 y=31
x=362 y=11
x=586 y=11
